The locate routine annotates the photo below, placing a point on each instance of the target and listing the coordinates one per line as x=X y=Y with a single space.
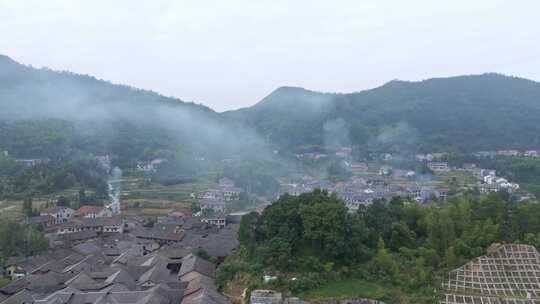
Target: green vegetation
x=445 y=114
x=4 y=282
x=175 y=171
x=20 y=182
x=256 y=177
x=56 y=114
x=19 y=240
x=523 y=170
x=407 y=246
x=346 y=289
x=48 y=114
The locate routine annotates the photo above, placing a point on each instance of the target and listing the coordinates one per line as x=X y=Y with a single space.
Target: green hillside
x=51 y=114
x=465 y=113
x=55 y=114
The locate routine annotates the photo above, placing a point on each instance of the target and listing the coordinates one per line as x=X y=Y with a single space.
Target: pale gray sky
x=231 y=53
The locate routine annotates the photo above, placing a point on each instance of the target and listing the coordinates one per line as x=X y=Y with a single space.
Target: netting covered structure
x=508 y=273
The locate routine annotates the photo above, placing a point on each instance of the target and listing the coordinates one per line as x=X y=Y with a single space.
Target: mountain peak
x=289 y=91
x=288 y=95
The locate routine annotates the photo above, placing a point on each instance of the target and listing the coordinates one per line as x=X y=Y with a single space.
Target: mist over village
x=269 y=152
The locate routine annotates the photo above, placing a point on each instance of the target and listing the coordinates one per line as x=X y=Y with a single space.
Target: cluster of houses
x=438 y=166
x=378 y=180
x=27 y=162
x=31 y=162
x=311 y=156
x=512 y=153
x=343 y=152
x=374 y=168
x=338 y=152
x=72 y=226
x=490 y=182
x=96 y=257
x=367 y=168
x=149 y=166
x=362 y=191
x=429 y=157
x=104 y=161
x=302 y=185
x=216 y=199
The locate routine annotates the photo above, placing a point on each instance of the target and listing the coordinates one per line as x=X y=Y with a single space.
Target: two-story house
x=60 y=214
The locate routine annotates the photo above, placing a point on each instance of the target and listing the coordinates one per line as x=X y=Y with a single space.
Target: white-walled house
x=60 y=214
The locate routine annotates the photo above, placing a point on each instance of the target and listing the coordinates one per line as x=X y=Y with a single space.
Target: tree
x=20 y=240
x=28 y=210
x=402 y=236
x=337 y=172
x=247 y=233
x=62 y=201
x=383 y=264
x=82 y=196
x=324 y=222
x=450 y=258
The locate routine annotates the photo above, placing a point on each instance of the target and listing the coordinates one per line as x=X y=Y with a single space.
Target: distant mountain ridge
x=69 y=88
x=463 y=113
x=54 y=114
x=473 y=112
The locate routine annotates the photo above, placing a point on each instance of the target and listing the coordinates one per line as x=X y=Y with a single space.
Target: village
x=99 y=252
x=379 y=179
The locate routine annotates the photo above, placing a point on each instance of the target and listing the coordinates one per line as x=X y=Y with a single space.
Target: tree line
x=20 y=182
x=20 y=240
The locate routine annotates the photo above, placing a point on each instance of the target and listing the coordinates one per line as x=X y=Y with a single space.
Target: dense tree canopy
x=20 y=181
x=20 y=240
x=405 y=244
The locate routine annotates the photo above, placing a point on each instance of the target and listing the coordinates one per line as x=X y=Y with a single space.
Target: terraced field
x=140 y=197
x=12 y=209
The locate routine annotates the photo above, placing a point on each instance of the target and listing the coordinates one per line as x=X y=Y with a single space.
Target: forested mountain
x=53 y=114
x=50 y=114
x=465 y=113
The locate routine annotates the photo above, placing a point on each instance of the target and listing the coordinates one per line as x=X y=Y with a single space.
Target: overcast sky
x=229 y=54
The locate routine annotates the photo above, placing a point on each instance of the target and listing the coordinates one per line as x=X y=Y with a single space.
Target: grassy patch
x=136 y=188
x=4 y=282
x=461 y=177
x=347 y=288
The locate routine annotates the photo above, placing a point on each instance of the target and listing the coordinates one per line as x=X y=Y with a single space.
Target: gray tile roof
x=157 y=274
x=78 y=236
x=192 y=263
x=161 y=232
x=204 y=296
x=121 y=277
x=154 y=295
x=22 y=297
x=85 y=274
x=84 y=282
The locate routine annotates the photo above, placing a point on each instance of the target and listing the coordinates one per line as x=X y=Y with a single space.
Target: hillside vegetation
x=394 y=250
x=55 y=114
x=466 y=113
x=47 y=113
